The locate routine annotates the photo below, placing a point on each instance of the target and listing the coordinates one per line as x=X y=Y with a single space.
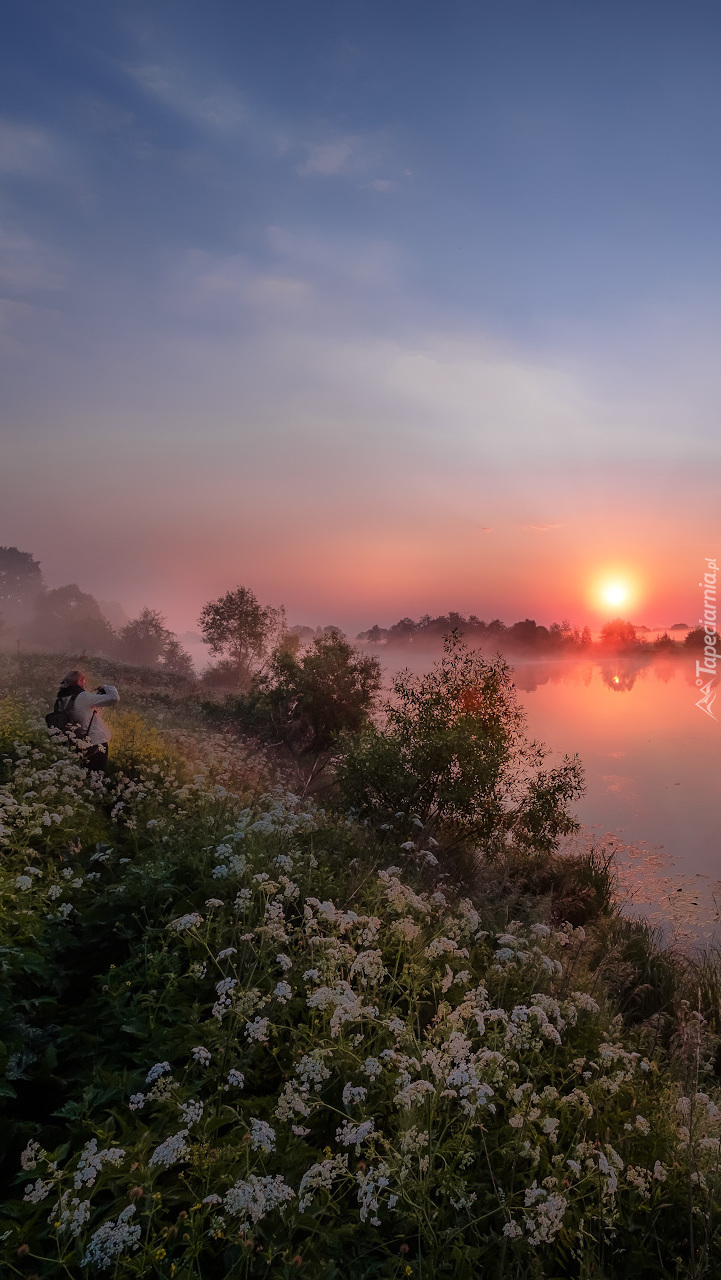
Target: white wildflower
x=444 y=946
x=91 y=1161
x=352 y=1094
x=346 y=1004
x=320 y=1177
x=369 y=964
x=372 y=1067
x=29 y=1157
x=171 y=1151
x=413 y=1094
x=70 y=1214
x=257 y=1030
x=352 y=1135
x=183 y=923
x=253 y=1199
x=191 y=1111
x=112 y=1239
x=262 y=1136
x=371 y=1185
x=38 y=1191
x=160 y=1069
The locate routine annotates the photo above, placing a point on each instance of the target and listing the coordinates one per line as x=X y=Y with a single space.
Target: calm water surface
x=653 y=764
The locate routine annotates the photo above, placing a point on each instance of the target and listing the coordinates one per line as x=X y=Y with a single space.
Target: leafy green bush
x=453 y=757
x=306 y=702
x=246 y=1038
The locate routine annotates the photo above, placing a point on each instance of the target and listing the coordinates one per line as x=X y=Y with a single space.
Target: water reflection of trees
x=619 y=678
x=619 y=673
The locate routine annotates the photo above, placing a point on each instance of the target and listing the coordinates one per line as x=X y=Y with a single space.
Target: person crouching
x=93 y=734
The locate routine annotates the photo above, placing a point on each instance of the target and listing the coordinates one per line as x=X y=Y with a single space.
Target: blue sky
x=373 y=307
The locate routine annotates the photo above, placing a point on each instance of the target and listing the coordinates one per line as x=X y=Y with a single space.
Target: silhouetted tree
x=69 y=620
x=695 y=639
x=177 y=659
x=496 y=628
x=147 y=642
x=20 y=583
x=241 y=631
x=529 y=634
x=143 y=639
x=619 y=635
x=374 y=634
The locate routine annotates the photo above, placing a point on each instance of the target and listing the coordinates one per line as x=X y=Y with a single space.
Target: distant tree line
x=527 y=636
x=253 y=648
x=68 y=620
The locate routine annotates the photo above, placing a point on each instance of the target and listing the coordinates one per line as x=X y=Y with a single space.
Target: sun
x=615 y=593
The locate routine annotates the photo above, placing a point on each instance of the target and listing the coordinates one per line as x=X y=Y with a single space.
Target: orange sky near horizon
x=437 y=333
x=376 y=566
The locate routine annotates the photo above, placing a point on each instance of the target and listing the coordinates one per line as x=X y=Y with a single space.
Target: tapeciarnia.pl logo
x=706 y=670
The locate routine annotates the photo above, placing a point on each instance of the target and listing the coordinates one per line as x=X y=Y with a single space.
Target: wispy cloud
x=540 y=528
x=207 y=106
x=363 y=158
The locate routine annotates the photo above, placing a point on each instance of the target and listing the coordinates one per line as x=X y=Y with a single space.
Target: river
x=653 y=764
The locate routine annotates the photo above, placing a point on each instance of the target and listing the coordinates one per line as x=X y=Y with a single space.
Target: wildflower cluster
x=326 y=1053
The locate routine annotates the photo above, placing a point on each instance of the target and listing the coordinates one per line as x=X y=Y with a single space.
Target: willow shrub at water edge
x=452 y=757
x=302 y=1057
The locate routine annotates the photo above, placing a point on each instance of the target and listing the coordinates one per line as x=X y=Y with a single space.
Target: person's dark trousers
x=96 y=758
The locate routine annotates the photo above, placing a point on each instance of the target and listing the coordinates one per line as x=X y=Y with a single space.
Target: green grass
x=471 y=1069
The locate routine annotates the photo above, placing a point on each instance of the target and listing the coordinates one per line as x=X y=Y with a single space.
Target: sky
x=378 y=309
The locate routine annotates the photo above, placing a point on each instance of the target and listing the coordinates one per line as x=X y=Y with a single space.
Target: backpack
x=64 y=720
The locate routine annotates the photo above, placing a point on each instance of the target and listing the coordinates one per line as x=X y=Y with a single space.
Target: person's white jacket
x=85 y=704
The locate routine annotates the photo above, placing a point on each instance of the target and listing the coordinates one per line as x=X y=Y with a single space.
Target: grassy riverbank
x=249 y=1034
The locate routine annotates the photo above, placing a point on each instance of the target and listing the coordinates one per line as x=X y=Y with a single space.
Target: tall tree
x=147 y=642
x=69 y=620
x=143 y=639
x=239 y=629
x=20 y=582
x=619 y=635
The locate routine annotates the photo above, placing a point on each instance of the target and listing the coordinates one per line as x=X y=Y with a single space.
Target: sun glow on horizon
x=613 y=591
